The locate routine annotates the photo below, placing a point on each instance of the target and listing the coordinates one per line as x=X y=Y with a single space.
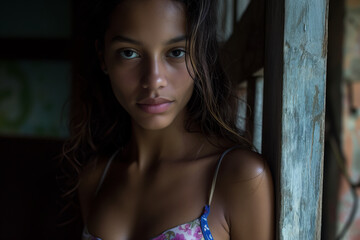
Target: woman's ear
x=100 y=53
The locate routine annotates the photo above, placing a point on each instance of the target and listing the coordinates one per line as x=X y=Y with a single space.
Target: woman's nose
x=154 y=77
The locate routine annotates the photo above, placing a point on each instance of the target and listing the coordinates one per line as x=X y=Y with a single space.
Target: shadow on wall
x=35 y=77
x=30 y=194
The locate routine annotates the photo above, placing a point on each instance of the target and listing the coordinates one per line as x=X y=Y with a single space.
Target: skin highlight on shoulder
x=246 y=190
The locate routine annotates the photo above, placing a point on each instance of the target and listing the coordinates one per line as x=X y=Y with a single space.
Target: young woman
x=154 y=135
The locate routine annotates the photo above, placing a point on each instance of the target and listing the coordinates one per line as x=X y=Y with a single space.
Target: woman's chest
x=149 y=207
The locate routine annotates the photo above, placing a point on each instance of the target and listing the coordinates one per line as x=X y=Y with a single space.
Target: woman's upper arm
x=250 y=198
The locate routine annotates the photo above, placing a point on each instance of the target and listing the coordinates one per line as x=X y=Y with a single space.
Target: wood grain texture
x=293 y=137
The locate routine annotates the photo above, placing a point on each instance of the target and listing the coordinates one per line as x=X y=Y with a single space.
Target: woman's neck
x=149 y=147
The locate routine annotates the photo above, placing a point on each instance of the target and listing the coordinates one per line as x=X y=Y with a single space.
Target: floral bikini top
x=197 y=229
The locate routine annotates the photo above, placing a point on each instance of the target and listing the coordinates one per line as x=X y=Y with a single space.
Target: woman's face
x=144 y=55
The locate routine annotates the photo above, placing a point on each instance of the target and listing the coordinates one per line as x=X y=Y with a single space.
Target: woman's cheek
x=183 y=77
x=124 y=84
x=125 y=77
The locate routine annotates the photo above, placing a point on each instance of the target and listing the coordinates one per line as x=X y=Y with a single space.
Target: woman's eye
x=128 y=54
x=177 y=53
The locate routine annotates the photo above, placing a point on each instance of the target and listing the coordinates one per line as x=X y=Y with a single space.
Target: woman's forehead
x=148 y=18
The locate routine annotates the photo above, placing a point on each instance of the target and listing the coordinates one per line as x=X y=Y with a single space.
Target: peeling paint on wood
x=303 y=118
x=301 y=77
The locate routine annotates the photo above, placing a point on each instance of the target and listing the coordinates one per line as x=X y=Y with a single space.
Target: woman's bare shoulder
x=241 y=165
x=247 y=189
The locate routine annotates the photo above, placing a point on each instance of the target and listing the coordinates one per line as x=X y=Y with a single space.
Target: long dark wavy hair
x=99 y=125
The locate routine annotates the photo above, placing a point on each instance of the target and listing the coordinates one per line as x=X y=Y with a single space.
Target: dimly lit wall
x=35 y=80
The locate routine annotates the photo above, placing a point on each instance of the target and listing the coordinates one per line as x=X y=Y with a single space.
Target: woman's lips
x=154 y=105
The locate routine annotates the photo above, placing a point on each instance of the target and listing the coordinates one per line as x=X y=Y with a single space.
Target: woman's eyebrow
x=120 y=38
x=176 y=40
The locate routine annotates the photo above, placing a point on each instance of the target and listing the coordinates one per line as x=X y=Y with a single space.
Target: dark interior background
x=36 y=41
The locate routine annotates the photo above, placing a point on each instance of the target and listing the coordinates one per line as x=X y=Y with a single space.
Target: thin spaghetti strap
x=105 y=172
x=217 y=170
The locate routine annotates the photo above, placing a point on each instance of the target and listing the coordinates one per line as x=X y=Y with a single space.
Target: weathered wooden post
x=294 y=112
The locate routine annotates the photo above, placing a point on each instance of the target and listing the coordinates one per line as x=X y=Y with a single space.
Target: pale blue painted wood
x=227 y=9
x=258 y=113
x=241 y=6
x=303 y=114
x=226 y=23
x=242 y=107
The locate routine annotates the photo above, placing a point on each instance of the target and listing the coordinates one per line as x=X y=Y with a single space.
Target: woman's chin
x=154 y=124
